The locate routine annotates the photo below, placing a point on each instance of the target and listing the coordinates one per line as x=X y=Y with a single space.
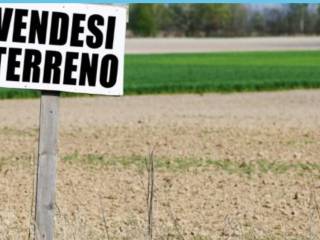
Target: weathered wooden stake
x=46 y=166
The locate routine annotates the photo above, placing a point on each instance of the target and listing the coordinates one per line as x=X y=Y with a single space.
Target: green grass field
x=213 y=72
x=221 y=72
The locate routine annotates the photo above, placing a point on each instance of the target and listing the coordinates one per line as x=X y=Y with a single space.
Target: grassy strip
x=184 y=164
x=212 y=72
x=260 y=166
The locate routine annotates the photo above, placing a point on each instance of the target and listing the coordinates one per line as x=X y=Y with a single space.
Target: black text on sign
x=62 y=47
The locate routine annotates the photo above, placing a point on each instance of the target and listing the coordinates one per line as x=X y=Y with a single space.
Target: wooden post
x=46 y=166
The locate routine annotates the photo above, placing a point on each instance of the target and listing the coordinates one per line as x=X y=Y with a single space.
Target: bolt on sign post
x=59 y=47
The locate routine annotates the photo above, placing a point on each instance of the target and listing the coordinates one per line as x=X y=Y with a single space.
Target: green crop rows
x=213 y=72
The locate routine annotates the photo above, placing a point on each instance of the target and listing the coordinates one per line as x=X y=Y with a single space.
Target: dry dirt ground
x=234 y=166
x=184 y=45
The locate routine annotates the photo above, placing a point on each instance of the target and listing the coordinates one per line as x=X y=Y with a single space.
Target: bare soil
x=234 y=166
x=195 y=45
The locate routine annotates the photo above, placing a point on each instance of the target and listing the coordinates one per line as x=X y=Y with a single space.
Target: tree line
x=229 y=20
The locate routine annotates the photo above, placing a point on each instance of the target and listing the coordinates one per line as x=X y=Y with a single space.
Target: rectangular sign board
x=63 y=47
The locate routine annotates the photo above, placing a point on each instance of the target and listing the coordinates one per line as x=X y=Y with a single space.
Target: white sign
x=63 y=47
